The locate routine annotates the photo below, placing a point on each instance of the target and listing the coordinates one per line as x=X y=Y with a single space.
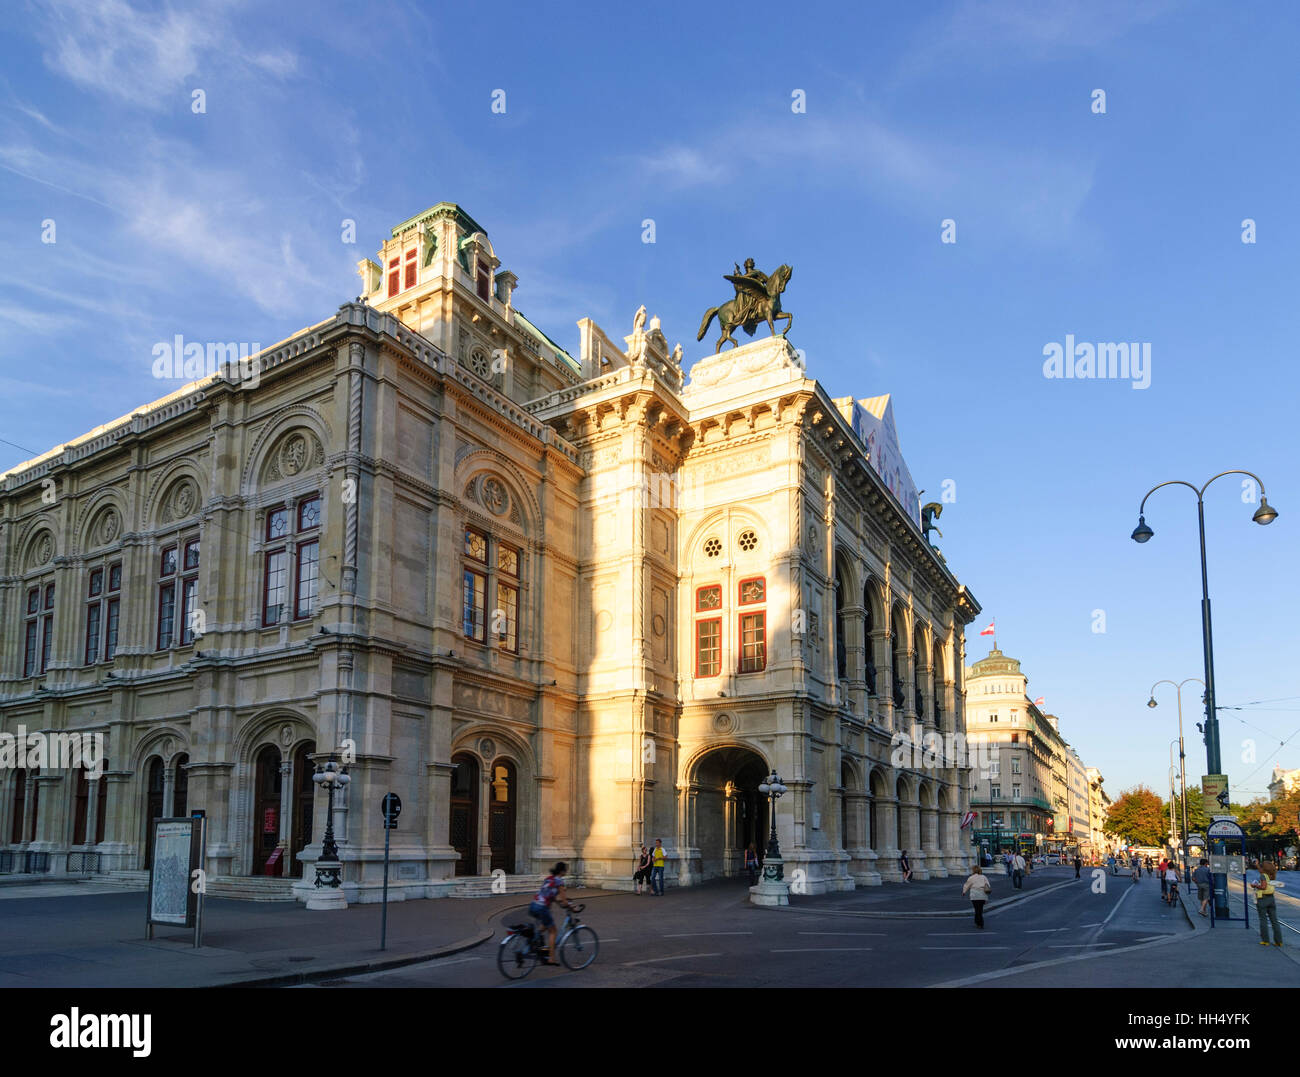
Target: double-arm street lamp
x=1265 y=514
x=773 y=889
x=329 y=869
x=1182 y=760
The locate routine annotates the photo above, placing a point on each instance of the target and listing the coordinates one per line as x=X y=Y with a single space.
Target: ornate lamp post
x=772 y=890
x=1182 y=761
x=329 y=869
x=1263 y=515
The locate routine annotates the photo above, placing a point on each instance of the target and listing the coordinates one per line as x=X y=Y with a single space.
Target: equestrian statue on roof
x=758 y=299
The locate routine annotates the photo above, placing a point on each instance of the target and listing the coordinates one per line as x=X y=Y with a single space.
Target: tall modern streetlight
x=1265 y=514
x=1182 y=760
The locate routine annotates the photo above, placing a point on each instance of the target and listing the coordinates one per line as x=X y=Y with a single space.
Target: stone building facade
x=560 y=605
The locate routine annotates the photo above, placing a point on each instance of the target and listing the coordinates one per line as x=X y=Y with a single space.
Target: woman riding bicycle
x=552 y=890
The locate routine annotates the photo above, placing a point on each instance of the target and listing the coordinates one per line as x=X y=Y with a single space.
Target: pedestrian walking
x=642 y=874
x=1018 y=872
x=1110 y=860
x=657 y=868
x=1148 y=865
x=1266 y=903
x=979 y=888
x=1078 y=863
x=1204 y=881
x=751 y=863
x=905 y=866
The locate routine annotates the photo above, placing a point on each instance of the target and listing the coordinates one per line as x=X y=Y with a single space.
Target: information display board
x=177 y=855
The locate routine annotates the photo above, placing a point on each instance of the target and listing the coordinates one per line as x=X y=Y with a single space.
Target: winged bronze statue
x=758 y=299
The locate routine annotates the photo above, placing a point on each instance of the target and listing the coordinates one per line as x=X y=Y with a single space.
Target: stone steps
x=475 y=886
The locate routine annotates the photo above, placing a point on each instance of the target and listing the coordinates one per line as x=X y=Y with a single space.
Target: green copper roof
x=560 y=353
x=442 y=209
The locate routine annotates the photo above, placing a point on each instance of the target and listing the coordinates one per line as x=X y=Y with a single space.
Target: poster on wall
x=177 y=855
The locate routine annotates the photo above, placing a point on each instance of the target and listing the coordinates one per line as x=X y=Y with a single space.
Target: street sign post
x=1227 y=846
x=391 y=806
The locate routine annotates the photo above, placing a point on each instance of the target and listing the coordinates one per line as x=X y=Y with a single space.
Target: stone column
x=885 y=843
x=862 y=865
x=931 y=820
x=92 y=808
x=169 y=791
x=29 y=818
x=286 y=813
x=855 y=658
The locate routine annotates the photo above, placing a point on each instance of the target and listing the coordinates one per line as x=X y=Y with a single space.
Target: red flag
x=990 y=631
x=1040 y=702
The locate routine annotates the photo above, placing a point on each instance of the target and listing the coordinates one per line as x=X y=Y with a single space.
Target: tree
x=1138 y=816
x=1197 y=817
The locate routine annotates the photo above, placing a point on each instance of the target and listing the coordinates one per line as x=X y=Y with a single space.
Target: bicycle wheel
x=579 y=948
x=514 y=957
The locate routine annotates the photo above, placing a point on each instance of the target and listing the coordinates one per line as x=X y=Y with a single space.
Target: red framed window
x=394 y=276
x=410 y=269
x=708 y=647
x=753 y=625
x=484 y=281
x=708 y=598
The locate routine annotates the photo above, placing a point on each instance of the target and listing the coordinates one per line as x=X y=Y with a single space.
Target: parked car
x=1053 y=858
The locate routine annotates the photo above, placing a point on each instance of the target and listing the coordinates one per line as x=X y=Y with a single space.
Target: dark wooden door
x=303 y=769
x=181 y=800
x=153 y=807
x=501 y=816
x=463 y=813
x=266 y=809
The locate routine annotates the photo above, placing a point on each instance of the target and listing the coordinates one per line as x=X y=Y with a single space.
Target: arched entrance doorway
x=503 y=793
x=727 y=813
x=153 y=806
x=266 y=808
x=463 y=814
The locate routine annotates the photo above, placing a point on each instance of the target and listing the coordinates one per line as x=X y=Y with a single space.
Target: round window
x=748 y=541
x=712 y=547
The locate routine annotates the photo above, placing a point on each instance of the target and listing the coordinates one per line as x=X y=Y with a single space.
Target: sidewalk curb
x=307 y=976
x=385 y=964
x=963 y=913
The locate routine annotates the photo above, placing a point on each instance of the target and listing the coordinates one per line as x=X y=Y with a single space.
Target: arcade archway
x=726 y=812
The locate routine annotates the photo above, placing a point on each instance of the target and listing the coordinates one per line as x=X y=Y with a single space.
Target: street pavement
x=1100 y=932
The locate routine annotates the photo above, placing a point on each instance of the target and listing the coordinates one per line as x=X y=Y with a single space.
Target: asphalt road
x=711 y=936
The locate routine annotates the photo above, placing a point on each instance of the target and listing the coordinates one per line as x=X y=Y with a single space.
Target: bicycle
x=523 y=948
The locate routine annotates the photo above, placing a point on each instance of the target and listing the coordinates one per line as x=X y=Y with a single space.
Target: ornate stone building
x=559 y=605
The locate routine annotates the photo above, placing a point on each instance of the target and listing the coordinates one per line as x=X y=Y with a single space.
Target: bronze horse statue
x=758 y=299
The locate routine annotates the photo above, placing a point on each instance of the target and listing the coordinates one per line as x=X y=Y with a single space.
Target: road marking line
x=948 y=934
x=697 y=934
x=855 y=934
x=965 y=947
x=1079 y=945
x=824 y=950
x=1148 y=938
x=675 y=957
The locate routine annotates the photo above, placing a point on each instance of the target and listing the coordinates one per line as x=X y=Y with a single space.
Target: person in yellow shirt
x=657 y=873
x=1266 y=903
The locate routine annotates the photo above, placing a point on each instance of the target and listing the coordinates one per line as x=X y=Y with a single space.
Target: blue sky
x=1123 y=226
